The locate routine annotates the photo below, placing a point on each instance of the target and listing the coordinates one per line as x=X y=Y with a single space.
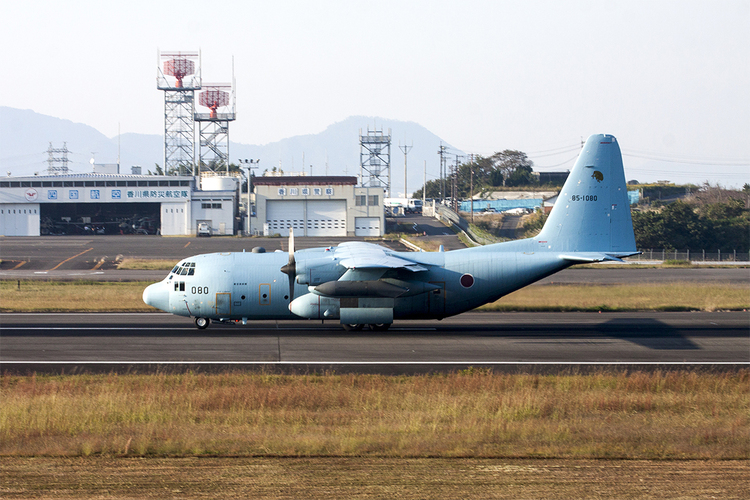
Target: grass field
x=645 y=416
x=43 y=296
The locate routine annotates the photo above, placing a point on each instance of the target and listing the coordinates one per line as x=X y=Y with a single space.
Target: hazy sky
x=670 y=79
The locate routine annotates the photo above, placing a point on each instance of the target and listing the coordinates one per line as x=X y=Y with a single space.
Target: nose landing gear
x=202 y=323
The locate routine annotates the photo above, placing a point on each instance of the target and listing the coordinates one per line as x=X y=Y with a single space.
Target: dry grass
x=147 y=264
x=83 y=296
x=470 y=414
x=647 y=297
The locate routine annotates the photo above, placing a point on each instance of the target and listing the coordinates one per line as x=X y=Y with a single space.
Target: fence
x=692 y=255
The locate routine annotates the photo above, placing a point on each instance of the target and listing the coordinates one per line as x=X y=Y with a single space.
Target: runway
x=56 y=343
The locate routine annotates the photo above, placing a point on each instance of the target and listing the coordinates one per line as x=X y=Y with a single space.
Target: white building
x=316 y=206
x=116 y=204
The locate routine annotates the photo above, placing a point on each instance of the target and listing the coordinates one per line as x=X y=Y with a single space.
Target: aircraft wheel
x=352 y=328
x=202 y=323
x=380 y=327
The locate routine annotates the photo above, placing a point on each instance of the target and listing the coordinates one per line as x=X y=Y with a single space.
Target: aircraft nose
x=157 y=295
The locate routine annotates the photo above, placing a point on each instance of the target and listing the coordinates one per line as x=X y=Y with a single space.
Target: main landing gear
x=202 y=323
x=379 y=327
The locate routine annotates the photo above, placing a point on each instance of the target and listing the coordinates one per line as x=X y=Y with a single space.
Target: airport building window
x=372 y=200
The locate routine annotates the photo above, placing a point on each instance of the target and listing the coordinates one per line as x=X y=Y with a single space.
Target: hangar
x=316 y=206
x=116 y=204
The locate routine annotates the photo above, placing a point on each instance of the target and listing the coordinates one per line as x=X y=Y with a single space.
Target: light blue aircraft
x=358 y=283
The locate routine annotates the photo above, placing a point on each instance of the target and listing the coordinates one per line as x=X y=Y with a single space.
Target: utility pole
x=471 y=185
x=442 y=152
x=454 y=189
x=405 y=149
x=424 y=185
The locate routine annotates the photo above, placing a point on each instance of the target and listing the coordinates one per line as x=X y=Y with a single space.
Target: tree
x=507 y=162
x=508 y=167
x=714 y=226
x=158 y=170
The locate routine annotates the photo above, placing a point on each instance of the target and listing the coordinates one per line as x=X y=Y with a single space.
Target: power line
x=707 y=162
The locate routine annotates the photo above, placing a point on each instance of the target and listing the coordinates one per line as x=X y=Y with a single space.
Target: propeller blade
x=290 y=269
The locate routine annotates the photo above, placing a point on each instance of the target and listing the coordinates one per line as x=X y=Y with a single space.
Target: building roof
x=305 y=180
x=94 y=176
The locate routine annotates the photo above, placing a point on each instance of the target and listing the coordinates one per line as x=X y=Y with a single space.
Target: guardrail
x=446 y=214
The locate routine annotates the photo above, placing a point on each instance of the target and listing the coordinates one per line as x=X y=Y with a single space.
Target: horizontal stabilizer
x=590 y=257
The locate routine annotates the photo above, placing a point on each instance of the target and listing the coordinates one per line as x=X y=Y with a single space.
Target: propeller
x=290 y=268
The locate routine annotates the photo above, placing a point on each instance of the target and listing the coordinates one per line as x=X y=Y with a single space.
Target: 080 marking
x=199 y=289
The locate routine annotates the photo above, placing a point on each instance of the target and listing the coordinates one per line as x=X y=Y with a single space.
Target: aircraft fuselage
x=250 y=286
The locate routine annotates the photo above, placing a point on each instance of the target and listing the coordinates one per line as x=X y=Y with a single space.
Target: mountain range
x=26 y=135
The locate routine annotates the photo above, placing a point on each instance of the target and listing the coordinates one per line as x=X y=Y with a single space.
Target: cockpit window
x=184 y=269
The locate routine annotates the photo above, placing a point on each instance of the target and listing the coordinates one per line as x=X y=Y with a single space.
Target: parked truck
x=400 y=206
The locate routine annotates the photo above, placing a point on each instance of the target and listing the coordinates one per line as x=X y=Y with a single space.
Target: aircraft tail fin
x=592 y=212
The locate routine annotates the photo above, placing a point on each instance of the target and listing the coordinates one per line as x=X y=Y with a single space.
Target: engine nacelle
x=350 y=310
x=313 y=306
x=318 y=270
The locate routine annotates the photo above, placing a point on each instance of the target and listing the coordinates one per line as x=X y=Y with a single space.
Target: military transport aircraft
x=359 y=283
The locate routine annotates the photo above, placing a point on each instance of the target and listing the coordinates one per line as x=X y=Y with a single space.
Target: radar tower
x=213 y=127
x=179 y=76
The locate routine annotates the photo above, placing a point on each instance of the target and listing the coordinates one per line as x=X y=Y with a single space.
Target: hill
x=25 y=136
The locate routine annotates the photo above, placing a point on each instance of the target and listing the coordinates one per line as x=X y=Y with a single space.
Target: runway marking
x=191 y=328
x=70 y=258
x=19 y=265
x=399 y=363
x=187 y=244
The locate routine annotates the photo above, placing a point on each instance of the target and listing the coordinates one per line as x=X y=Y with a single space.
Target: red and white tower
x=213 y=127
x=179 y=76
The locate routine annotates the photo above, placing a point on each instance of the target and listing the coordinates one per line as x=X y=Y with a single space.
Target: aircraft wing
x=361 y=255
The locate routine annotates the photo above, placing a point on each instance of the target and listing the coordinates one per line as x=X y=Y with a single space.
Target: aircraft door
x=436 y=300
x=223 y=304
